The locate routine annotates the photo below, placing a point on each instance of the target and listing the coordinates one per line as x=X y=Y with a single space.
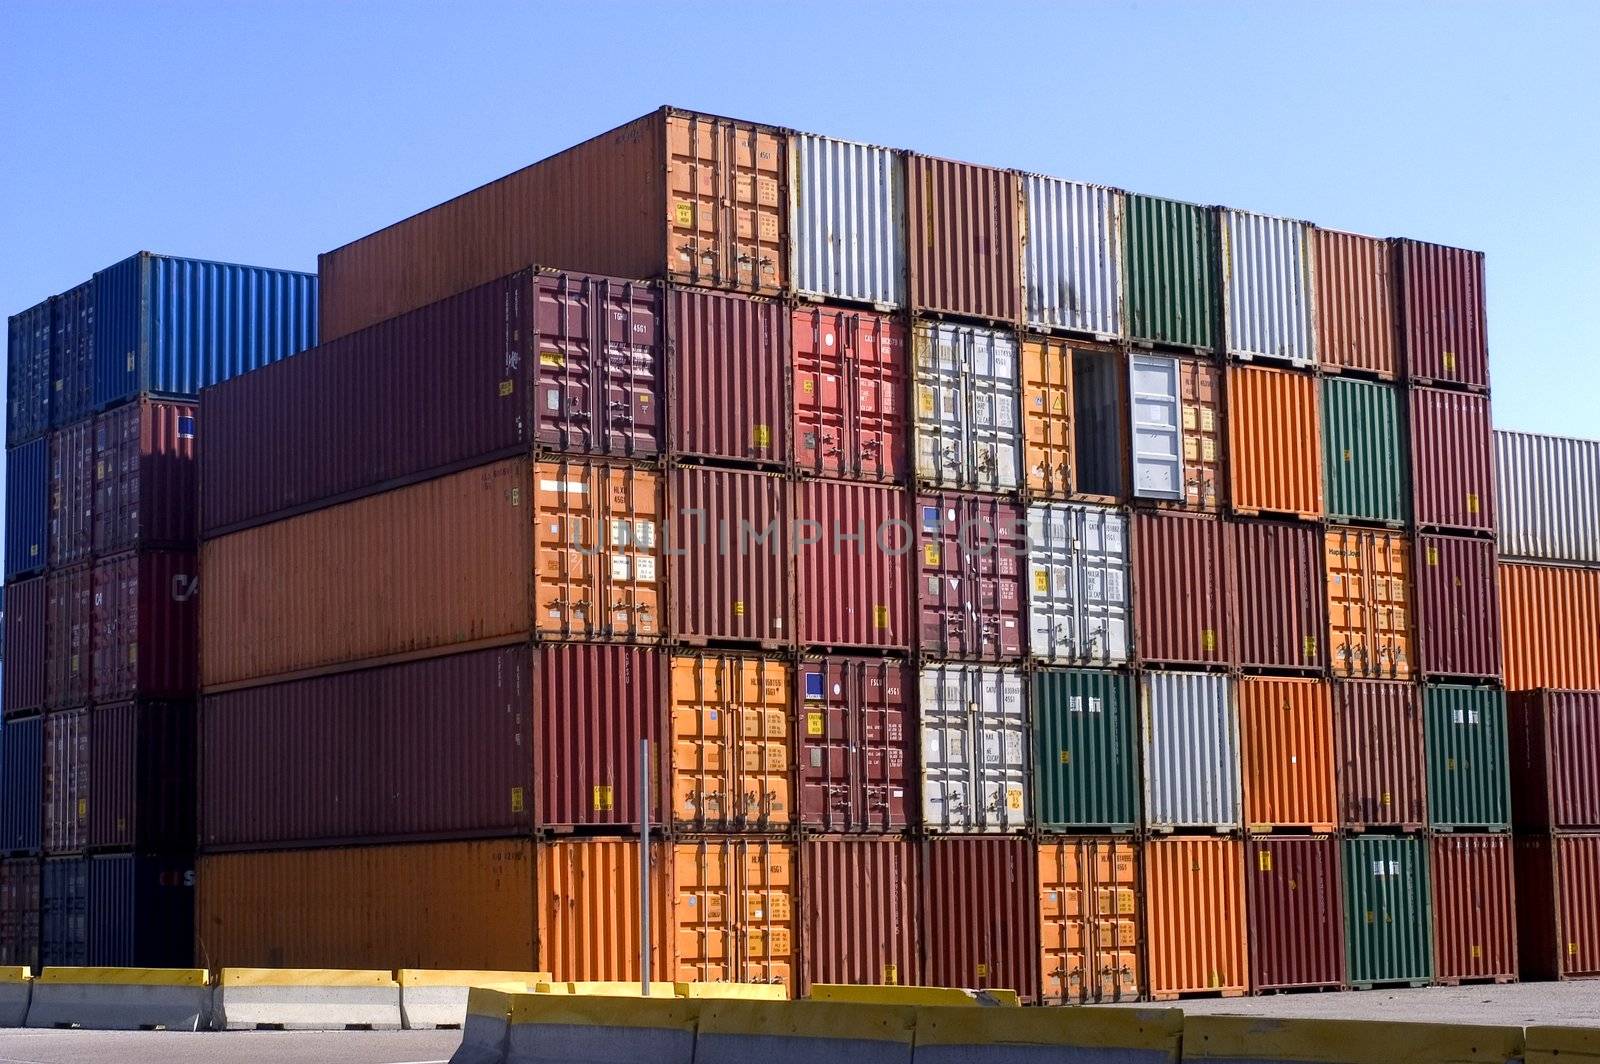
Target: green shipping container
x=1388 y=911
x=1469 y=780
x=1364 y=455
x=1169 y=251
x=1084 y=722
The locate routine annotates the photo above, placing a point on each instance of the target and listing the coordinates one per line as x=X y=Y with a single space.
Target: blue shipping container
x=27 y=507
x=168 y=326
x=72 y=356
x=141 y=911
x=64 y=904
x=21 y=785
x=28 y=372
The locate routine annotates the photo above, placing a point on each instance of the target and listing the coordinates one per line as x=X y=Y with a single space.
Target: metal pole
x=644 y=868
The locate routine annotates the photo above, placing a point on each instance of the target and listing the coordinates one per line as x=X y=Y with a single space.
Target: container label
x=684 y=214
x=1014 y=798
x=983 y=971
x=1377 y=870
x=1476 y=951
x=1066 y=757
x=1450 y=764
x=880 y=617
x=1394 y=868
x=1094 y=704
x=1386 y=800
x=1472 y=716
x=1472 y=502
x=506 y=388
x=1208 y=638
x=83 y=808
x=1309 y=648
x=517 y=805
x=1433 y=556
x=738 y=607
x=761 y=435
x=602 y=799
x=813 y=723
x=891 y=975
x=1075 y=704
x=1041 y=580
x=930 y=554
x=1449 y=361
x=1264 y=860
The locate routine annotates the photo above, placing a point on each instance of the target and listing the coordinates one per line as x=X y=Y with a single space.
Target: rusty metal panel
x=1280 y=602
x=1443 y=328
x=1547 y=491
x=967 y=427
x=847 y=220
x=974 y=749
x=1286 y=753
x=1555 y=760
x=1354 y=304
x=146 y=477
x=1072 y=256
x=732 y=745
x=978 y=914
x=1274 y=442
x=1266 y=287
x=733 y=911
x=856 y=744
x=728 y=363
x=1090 y=920
x=145 y=617
x=1458 y=608
x=587 y=907
x=1078 y=584
x=1296 y=912
x=1558 y=927
x=68 y=637
x=851 y=368
x=1191 y=751
x=860 y=899
x=1550 y=618
x=963 y=227
x=1452 y=460
x=853 y=576
x=1474 y=908
x=969 y=586
x=1195 y=917
x=1379 y=749
x=725 y=539
x=1369 y=603
x=1181 y=575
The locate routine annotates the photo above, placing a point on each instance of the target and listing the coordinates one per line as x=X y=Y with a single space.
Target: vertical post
x=644 y=867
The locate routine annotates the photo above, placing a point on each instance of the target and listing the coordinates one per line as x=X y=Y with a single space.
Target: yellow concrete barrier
x=121 y=999
x=485 y=1028
x=307 y=999
x=559 y=1029
x=432 y=997
x=947 y=1035
x=613 y=989
x=804 y=1032
x=1562 y=1045
x=16 y=990
x=1270 y=1041
x=732 y=991
x=865 y=994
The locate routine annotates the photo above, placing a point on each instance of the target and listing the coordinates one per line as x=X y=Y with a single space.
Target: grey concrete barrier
x=432 y=997
x=16 y=988
x=122 y=999
x=306 y=999
x=488 y=1023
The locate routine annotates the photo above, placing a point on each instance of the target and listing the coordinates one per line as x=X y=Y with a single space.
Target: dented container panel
x=1369 y=604
x=1195 y=916
x=974 y=749
x=860 y=900
x=850 y=393
x=1296 y=912
x=731 y=743
x=1072 y=255
x=1090 y=921
x=1078 y=585
x=980 y=893
x=856 y=742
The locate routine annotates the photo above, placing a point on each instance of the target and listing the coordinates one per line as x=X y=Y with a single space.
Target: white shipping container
x=847 y=221
x=1266 y=287
x=1072 y=256
x=1547 y=494
x=967 y=432
x=1157 y=427
x=974 y=749
x=1077 y=584
x=1191 y=751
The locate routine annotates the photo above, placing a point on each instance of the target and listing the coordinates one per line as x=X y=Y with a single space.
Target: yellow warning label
x=1371 y=919
x=1041 y=580
x=1066 y=757
x=1476 y=951
x=517 y=803
x=602 y=799
x=924 y=402
x=880 y=617
x=685 y=214
x=1450 y=361
x=83 y=808
x=1208 y=638
x=930 y=554
x=552 y=358
x=761 y=435
x=813 y=723
x=1433 y=556
x=1472 y=502
x=983 y=971
x=891 y=975
x=809 y=386
x=738 y=607
x=1264 y=860
x=1387 y=800
x=1013 y=798
x=506 y=388
x=1572 y=949
x=1310 y=646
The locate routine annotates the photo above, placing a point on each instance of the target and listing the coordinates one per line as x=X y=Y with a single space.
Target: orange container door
x=1117 y=919
x=1089 y=938
x=725 y=215
x=1369 y=619
x=730 y=743
x=596 y=549
x=1047 y=416
x=1202 y=434
x=1286 y=728
x=733 y=911
x=588 y=910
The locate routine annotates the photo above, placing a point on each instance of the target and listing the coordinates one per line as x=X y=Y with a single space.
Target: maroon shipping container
x=850 y=392
x=856 y=743
x=1458 y=608
x=145 y=479
x=1294 y=891
x=68 y=626
x=142 y=776
x=1442 y=323
x=728 y=372
x=19 y=912
x=980 y=924
x=72 y=494
x=966 y=254
x=1280 y=594
x=851 y=543
x=25 y=646
x=1555 y=760
x=1452 y=460
x=437 y=748
x=859 y=914
x=66 y=781
x=1474 y=908
x=1377 y=734
x=146 y=625
x=969 y=583
x=729 y=559
x=1180 y=589
x=1558 y=923
x=596 y=702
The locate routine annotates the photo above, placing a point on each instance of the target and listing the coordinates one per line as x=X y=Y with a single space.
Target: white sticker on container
x=1457 y=716
x=1377 y=868
x=1075 y=704
x=1094 y=705
x=1472 y=716
x=644 y=567
x=620 y=567
x=1394 y=868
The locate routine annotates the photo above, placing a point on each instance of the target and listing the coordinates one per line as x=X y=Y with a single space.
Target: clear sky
x=264 y=132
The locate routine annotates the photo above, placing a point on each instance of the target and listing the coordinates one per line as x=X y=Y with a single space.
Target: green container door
x=1388 y=914
x=1364 y=458
x=1172 y=281
x=1469 y=781
x=1083 y=736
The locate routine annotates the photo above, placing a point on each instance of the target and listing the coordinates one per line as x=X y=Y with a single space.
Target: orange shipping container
x=1286 y=744
x=1550 y=617
x=1195 y=919
x=733 y=911
x=731 y=743
x=1089 y=920
x=1369 y=603
x=462 y=905
x=1355 y=303
x=1274 y=442
x=588 y=910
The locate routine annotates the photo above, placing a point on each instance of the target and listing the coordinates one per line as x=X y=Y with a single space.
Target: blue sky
x=265 y=132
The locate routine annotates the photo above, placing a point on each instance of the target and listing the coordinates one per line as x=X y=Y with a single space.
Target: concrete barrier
x=16 y=987
x=1085 y=1035
x=804 y=1032
x=731 y=991
x=599 y=989
x=122 y=999
x=1220 y=1039
x=1562 y=1045
x=430 y=997
x=306 y=999
x=483 y=1034
x=863 y=994
x=561 y=1029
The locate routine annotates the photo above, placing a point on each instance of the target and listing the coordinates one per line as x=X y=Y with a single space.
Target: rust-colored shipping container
x=588 y=910
x=1089 y=920
x=855 y=743
x=1274 y=442
x=1555 y=760
x=851 y=544
x=1296 y=902
x=1377 y=727
x=1280 y=603
x=71 y=494
x=25 y=634
x=1558 y=924
x=1287 y=753
x=1442 y=324
x=859 y=901
x=733 y=911
x=1200 y=431
x=1180 y=589
x=145 y=476
x=964 y=231
x=462 y=905
x=728 y=365
x=969 y=583
x=978 y=916
x=690 y=197
x=1369 y=603
x=1195 y=917
x=68 y=637
x=1355 y=304
x=145 y=619
x=1474 y=908
x=731 y=743
x=1452 y=460
x=1458 y=608
x=726 y=538
x=851 y=369
x=1550 y=619
x=142 y=777
x=66 y=782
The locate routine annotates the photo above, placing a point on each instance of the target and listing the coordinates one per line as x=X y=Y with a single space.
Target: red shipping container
x=856 y=743
x=729 y=561
x=850 y=379
x=1280 y=596
x=1442 y=324
x=145 y=478
x=1474 y=908
x=24 y=677
x=19 y=912
x=72 y=494
x=979 y=919
x=966 y=252
x=851 y=543
x=142 y=776
x=1458 y=608
x=1558 y=923
x=1452 y=460
x=66 y=781
x=1555 y=760
x=1354 y=303
x=68 y=626
x=1377 y=735
x=1294 y=890
x=969 y=584
x=146 y=618
x=1180 y=589
x=728 y=367
x=859 y=915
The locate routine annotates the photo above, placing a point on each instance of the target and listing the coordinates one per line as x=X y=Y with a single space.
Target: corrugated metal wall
x=968 y=431
x=1286 y=753
x=1171 y=277
x=965 y=254
x=974 y=749
x=1295 y=893
x=1191 y=751
x=860 y=900
x=1388 y=912
x=1195 y=908
x=29 y=343
x=1085 y=763
x=1474 y=907
x=1355 y=303
x=1072 y=256
x=1266 y=287
x=1468 y=755
x=1366 y=463
x=27 y=517
x=847 y=220
x=1551 y=623
x=1274 y=442
x=1078 y=584
x=1181 y=589
x=1546 y=490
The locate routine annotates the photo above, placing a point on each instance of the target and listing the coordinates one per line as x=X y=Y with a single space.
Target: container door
x=1157 y=445
x=725 y=203
x=944 y=426
x=1077 y=584
x=1202 y=434
x=1116 y=920
x=730 y=743
x=996 y=439
x=876 y=346
x=947 y=751
x=1047 y=416
x=1002 y=745
x=820 y=394
x=1065 y=933
x=630 y=391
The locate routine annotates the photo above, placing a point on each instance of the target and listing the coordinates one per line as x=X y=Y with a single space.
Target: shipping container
x=71 y=494
x=1354 y=304
x=19 y=912
x=24 y=655
x=1274 y=442
x=1266 y=287
x=145 y=618
x=1181 y=572
x=464 y=905
x=30 y=345
x=729 y=363
x=1295 y=891
x=1558 y=925
x=978 y=915
x=1172 y=295
x=733 y=911
x=974 y=724
x=725 y=538
x=1549 y=617
x=1090 y=921
x=966 y=428
x=1443 y=329
x=1388 y=911
x=21 y=784
x=1369 y=603
x=857 y=745
x=1458 y=608
x=1073 y=398
x=1452 y=460
x=1176 y=406
x=1195 y=917
x=596 y=704
x=1474 y=908
x=850 y=381
x=68 y=637
x=141 y=911
x=145 y=476
x=1365 y=461
x=72 y=389
x=1287 y=753
x=731 y=751
x=142 y=777
x=1190 y=723
x=1280 y=605
x=587 y=908
x=851 y=544
x=1555 y=760
x=66 y=787
x=1381 y=774
x=27 y=516
x=1078 y=584
x=1547 y=489
x=1086 y=771
x=1072 y=256
x=1469 y=783
x=302 y=763
x=969 y=584
x=859 y=901
x=847 y=221
x=64 y=912
x=706 y=204
x=964 y=236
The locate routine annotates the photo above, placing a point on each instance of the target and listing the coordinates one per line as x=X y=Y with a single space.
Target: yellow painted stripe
x=911 y=995
x=450 y=977
x=810 y=1019
x=732 y=991
x=1563 y=1045
x=306 y=977
x=15 y=973
x=1347 y=1041
x=1087 y=1027
x=669 y=1013
x=126 y=976
x=603 y=989
x=493 y=1004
